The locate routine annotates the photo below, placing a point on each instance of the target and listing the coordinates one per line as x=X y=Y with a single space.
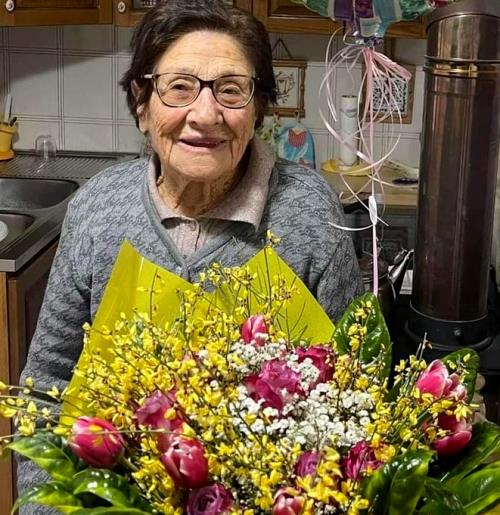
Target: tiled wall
x=64 y=81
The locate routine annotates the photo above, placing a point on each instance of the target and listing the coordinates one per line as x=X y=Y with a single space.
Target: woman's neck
x=193 y=198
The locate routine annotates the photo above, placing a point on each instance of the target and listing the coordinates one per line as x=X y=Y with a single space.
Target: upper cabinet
x=286 y=16
x=408 y=29
x=128 y=12
x=277 y=15
x=55 y=12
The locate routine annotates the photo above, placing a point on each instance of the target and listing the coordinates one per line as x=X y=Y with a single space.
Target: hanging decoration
x=383 y=82
x=290 y=76
x=369 y=19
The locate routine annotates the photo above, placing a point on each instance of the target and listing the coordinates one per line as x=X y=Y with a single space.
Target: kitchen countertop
x=390 y=194
x=77 y=167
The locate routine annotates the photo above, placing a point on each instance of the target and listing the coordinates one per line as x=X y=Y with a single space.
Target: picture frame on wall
x=403 y=92
x=290 y=75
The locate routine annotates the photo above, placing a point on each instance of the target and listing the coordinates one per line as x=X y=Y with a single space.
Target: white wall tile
x=314 y=75
x=88 y=84
x=88 y=136
x=348 y=82
x=123 y=112
x=32 y=37
x=408 y=150
x=3 y=79
x=34 y=84
x=410 y=51
x=418 y=103
x=130 y=139
x=311 y=46
x=123 y=36
x=28 y=130
x=88 y=37
x=91 y=87
x=322 y=150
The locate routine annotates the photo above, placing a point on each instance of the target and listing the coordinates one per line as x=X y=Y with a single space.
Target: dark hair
x=169 y=20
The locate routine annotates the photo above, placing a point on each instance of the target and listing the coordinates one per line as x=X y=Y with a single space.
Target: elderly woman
x=198 y=85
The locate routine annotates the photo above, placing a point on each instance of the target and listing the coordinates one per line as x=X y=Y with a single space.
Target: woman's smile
x=202 y=145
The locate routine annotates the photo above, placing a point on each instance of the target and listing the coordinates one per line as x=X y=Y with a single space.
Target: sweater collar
x=245 y=203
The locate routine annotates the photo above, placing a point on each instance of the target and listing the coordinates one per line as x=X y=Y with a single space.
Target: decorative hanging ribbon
x=384 y=75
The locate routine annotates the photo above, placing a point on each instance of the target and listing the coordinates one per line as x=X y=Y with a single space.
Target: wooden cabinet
x=21 y=296
x=55 y=12
x=286 y=16
x=127 y=13
x=277 y=15
x=408 y=29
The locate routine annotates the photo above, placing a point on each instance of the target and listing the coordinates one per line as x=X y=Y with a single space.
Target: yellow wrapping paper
x=138 y=284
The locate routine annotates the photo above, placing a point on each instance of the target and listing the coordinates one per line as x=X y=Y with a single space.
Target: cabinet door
x=408 y=29
x=54 y=12
x=21 y=297
x=128 y=12
x=6 y=472
x=285 y=16
x=26 y=290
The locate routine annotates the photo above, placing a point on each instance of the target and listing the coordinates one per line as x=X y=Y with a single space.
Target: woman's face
x=203 y=141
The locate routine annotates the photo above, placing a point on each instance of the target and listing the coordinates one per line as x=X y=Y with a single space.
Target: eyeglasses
x=182 y=89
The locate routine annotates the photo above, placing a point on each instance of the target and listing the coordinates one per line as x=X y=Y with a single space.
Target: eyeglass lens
x=179 y=90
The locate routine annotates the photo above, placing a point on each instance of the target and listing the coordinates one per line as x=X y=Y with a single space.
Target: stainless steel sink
x=16 y=223
x=34 y=193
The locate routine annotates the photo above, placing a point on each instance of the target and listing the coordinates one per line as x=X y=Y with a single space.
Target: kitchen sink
x=16 y=224
x=16 y=193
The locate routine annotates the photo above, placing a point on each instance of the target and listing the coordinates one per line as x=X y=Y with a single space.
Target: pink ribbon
x=379 y=72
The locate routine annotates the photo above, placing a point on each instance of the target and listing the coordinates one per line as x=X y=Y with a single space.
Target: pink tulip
x=307 y=463
x=153 y=412
x=209 y=500
x=275 y=384
x=454 y=388
x=322 y=358
x=254 y=330
x=288 y=501
x=459 y=437
x=96 y=441
x=185 y=462
x=360 y=458
x=436 y=380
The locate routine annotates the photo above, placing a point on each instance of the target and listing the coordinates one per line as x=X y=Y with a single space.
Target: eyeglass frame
x=203 y=84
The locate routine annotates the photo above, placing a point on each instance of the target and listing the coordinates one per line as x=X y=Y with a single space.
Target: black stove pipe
x=458 y=167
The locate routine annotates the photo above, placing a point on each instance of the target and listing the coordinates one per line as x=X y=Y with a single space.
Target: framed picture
x=402 y=92
x=290 y=77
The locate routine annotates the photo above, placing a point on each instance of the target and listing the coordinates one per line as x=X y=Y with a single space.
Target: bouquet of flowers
x=237 y=395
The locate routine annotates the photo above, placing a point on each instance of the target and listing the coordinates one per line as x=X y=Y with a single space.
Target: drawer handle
x=10 y=5
x=122 y=7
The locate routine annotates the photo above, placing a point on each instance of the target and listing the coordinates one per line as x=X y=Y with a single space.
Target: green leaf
x=108 y=486
x=51 y=494
x=110 y=511
x=484 y=442
x=398 y=485
x=408 y=482
x=376 y=345
x=470 y=366
x=440 y=500
x=480 y=490
x=50 y=453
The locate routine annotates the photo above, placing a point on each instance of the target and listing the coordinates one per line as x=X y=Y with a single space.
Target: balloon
x=369 y=19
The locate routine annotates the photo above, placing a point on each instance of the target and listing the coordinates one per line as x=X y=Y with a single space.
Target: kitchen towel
x=296 y=144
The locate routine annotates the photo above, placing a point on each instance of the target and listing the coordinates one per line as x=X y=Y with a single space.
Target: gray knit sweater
x=116 y=205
